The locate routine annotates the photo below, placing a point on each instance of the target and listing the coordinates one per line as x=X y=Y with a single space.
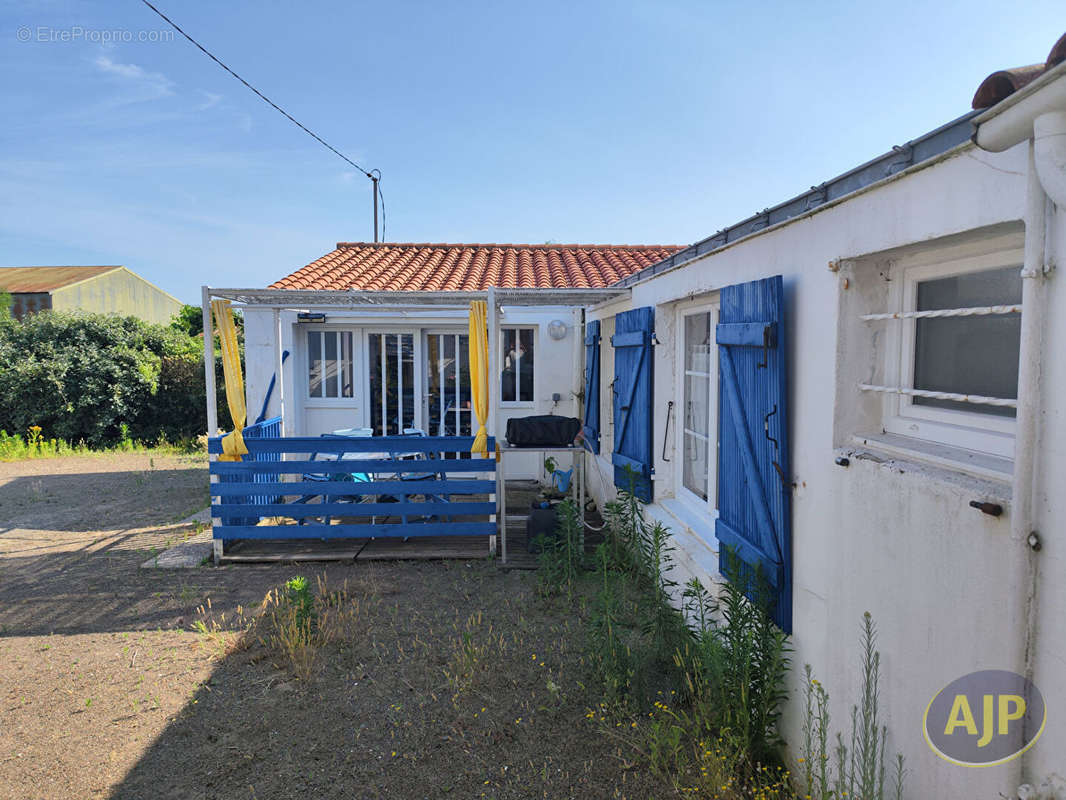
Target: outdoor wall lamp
x=557 y=329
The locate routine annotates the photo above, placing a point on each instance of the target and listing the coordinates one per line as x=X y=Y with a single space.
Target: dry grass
x=472 y=652
x=300 y=633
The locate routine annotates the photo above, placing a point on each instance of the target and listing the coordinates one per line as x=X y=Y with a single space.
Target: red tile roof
x=394 y=266
x=1003 y=83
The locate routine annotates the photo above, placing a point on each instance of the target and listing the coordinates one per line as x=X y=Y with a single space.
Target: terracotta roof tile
x=408 y=266
x=1003 y=83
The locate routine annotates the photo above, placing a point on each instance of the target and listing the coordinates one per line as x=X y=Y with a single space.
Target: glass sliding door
x=448 y=407
x=391 y=381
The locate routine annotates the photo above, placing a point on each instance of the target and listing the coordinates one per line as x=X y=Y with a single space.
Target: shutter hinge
x=765 y=351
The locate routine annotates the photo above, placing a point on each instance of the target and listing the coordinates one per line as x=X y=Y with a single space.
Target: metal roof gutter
x=899 y=158
x=319 y=298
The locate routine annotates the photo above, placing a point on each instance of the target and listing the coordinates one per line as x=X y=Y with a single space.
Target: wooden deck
x=520 y=496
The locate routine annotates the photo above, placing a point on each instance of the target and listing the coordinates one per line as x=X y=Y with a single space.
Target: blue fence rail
x=418 y=484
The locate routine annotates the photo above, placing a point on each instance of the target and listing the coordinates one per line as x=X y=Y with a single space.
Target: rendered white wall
x=557 y=369
x=893 y=537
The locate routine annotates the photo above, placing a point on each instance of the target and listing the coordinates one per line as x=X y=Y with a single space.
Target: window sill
x=693 y=533
x=952 y=460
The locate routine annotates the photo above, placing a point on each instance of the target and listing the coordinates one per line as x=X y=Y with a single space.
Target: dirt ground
x=456 y=680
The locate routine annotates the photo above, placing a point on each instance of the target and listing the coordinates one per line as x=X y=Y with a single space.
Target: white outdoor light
x=557 y=329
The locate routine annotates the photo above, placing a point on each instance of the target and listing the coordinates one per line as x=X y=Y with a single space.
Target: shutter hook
x=766 y=433
x=766 y=426
x=666 y=432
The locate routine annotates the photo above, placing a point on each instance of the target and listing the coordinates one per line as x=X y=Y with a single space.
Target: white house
x=861 y=389
x=376 y=335
x=858 y=389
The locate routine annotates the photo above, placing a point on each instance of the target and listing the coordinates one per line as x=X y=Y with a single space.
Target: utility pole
x=375 y=179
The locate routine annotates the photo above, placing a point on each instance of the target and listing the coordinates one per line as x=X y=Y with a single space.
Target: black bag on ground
x=542 y=523
x=544 y=431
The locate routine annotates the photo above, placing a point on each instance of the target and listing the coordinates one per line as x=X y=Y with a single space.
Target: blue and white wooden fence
x=354 y=478
x=266 y=429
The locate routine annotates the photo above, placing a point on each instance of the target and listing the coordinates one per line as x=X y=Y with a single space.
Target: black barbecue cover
x=544 y=431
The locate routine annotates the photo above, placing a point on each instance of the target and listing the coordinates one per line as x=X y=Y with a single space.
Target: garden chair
x=330 y=477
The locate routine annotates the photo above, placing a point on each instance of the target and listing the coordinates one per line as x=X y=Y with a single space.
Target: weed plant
x=561 y=557
x=35 y=445
x=716 y=733
x=860 y=764
x=298 y=622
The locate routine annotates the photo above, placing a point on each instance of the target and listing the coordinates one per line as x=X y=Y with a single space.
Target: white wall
x=557 y=369
x=890 y=535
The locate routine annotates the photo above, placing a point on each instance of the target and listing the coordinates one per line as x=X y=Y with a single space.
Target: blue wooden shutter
x=632 y=340
x=591 y=426
x=754 y=488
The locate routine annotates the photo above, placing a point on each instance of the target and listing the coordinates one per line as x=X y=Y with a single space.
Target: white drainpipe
x=1036 y=113
x=1049 y=151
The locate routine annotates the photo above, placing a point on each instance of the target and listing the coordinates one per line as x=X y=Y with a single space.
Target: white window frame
x=607 y=326
x=971 y=430
x=516 y=403
x=418 y=371
x=682 y=492
x=357 y=343
x=461 y=357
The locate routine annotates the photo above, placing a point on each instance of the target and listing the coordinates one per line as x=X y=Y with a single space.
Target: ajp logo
x=985 y=718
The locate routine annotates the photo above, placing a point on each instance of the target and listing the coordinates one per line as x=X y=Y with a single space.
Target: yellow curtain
x=479 y=373
x=233 y=446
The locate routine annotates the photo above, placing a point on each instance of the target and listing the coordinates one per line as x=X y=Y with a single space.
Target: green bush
x=98 y=379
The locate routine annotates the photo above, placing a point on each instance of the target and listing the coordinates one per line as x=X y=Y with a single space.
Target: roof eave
x=900 y=160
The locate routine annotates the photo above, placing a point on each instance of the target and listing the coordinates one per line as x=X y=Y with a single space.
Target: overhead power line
x=368 y=173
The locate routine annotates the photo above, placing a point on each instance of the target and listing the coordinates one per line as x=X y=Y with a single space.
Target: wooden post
x=279 y=383
x=493 y=321
x=494 y=341
x=212 y=395
x=501 y=503
x=209 y=363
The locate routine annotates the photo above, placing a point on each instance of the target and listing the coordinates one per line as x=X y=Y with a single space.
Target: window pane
x=463 y=411
x=347 y=387
x=969 y=355
x=525 y=364
x=697 y=402
x=450 y=396
x=695 y=465
x=329 y=364
x=698 y=343
x=407 y=370
x=314 y=363
x=509 y=372
x=374 y=342
x=434 y=396
x=392 y=405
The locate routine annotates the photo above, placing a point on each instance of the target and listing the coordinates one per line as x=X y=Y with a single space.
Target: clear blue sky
x=647 y=122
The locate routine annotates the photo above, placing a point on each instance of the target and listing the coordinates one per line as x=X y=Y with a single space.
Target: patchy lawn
x=451 y=679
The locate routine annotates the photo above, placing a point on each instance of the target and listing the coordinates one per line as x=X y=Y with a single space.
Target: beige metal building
x=104 y=290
